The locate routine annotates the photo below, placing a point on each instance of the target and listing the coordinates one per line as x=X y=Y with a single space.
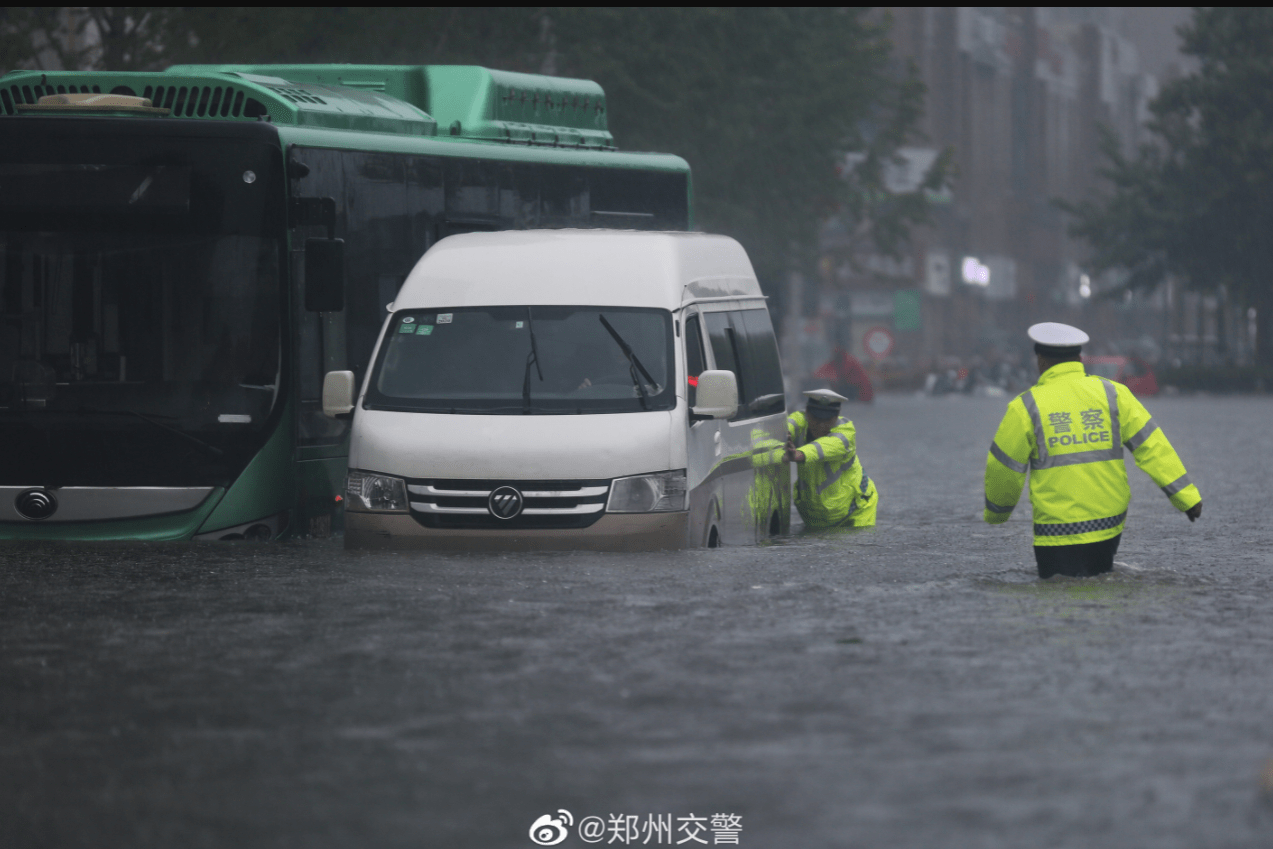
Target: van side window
x=694 y=362
x=764 y=369
x=725 y=348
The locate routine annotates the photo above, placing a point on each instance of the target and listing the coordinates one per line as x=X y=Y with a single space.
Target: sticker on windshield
x=425 y=330
x=408 y=319
x=407 y=328
x=519 y=325
x=444 y=318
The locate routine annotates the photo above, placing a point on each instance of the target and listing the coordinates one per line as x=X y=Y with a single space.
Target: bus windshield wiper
x=532 y=357
x=634 y=363
x=212 y=449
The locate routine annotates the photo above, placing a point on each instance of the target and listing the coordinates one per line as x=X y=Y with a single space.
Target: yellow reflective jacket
x=1069 y=431
x=831 y=484
x=770 y=491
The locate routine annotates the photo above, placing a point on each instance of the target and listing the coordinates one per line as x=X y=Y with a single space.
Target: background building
x=1020 y=95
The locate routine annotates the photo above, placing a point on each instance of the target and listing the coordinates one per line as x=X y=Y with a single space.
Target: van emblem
x=505 y=503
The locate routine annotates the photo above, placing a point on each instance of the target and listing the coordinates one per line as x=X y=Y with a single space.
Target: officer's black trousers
x=1076 y=561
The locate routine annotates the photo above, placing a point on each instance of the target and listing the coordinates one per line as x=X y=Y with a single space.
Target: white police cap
x=825 y=398
x=1055 y=335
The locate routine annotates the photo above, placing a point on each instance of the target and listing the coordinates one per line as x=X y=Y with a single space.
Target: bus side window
x=390 y=197
x=313 y=352
x=725 y=350
x=694 y=362
x=388 y=287
x=320 y=344
x=425 y=204
x=639 y=200
x=378 y=249
x=563 y=198
x=472 y=198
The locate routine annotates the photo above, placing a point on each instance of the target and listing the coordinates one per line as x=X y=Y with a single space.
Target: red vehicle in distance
x=1132 y=372
x=845 y=375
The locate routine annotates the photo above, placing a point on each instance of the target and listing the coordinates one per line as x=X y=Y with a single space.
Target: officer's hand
x=793 y=454
x=1194 y=512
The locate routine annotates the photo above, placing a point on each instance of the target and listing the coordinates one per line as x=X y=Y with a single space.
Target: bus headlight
x=658 y=493
x=367 y=491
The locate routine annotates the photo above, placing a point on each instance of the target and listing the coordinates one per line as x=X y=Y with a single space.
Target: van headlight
x=658 y=493
x=369 y=491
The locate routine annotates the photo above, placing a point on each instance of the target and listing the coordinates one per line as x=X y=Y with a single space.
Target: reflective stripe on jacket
x=1069 y=431
x=830 y=482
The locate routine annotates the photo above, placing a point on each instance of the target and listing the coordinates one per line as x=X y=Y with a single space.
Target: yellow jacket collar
x=1062 y=371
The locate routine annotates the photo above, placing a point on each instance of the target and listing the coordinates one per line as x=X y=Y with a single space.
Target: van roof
x=593 y=267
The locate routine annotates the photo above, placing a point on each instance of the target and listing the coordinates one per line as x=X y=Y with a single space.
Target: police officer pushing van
x=832 y=489
x=1069 y=430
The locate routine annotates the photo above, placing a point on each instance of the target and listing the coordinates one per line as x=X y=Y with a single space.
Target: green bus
x=185 y=254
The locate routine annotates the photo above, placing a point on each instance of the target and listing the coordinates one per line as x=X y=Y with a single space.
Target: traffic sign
x=878 y=342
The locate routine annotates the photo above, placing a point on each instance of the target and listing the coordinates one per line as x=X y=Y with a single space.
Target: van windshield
x=511 y=360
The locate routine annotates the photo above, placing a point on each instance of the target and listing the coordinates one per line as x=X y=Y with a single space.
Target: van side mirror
x=338 y=394
x=324 y=275
x=717 y=395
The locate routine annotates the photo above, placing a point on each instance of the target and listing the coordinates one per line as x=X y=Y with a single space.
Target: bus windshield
x=140 y=313
x=520 y=359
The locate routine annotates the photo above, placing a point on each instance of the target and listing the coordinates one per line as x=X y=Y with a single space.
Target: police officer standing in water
x=1069 y=430
x=832 y=490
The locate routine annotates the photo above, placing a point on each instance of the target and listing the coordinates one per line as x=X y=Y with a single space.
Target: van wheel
x=775 y=525
x=713 y=538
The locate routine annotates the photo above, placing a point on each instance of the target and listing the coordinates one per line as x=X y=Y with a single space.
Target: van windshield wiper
x=634 y=363
x=532 y=357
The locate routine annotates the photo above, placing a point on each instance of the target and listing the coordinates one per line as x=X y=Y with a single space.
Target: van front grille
x=545 y=505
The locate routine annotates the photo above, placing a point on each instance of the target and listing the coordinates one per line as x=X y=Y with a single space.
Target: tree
x=123 y=38
x=1197 y=202
x=507 y=38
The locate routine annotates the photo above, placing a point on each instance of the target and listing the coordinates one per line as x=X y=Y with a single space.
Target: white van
x=561 y=389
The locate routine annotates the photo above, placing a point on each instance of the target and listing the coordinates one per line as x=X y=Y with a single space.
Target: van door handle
x=716 y=439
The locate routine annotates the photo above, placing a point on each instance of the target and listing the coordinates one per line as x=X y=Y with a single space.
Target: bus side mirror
x=717 y=395
x=338 y=394
x=324 y=275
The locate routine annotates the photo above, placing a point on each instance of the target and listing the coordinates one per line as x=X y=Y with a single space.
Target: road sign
x=878 y=342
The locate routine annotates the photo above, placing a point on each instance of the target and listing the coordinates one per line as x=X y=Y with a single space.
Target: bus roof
x=584 y=267
x=455 y=102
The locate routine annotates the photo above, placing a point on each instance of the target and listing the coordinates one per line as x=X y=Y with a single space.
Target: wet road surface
x=914 y=686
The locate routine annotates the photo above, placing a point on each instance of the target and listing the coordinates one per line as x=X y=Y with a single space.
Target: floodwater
x=911 y=686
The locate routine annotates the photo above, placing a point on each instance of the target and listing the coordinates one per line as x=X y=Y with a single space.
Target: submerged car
x=1132 y=372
